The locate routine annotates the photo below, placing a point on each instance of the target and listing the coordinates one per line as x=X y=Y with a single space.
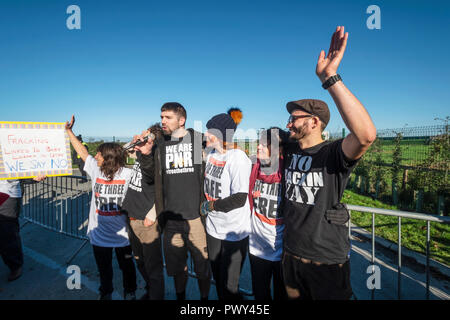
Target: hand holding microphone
x=142 y=143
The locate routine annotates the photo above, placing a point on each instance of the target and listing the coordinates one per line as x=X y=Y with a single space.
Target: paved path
x=47 y=252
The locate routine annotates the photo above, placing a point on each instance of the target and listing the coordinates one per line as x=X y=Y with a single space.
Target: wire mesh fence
x=416 y=144
x=407 y=167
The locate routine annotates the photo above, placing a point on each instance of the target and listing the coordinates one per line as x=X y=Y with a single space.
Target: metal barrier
x=59 y=204
x=62 y=204
x=401 y=214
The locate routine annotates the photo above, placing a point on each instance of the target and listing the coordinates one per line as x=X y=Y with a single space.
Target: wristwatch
x=331 y=80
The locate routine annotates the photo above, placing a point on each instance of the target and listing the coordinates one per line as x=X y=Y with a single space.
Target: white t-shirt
x=227 y=174
x=11 y=188
x=266 y=238
x=107 y=223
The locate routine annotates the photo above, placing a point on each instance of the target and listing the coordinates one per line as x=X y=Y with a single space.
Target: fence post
x=361 y=185
x=405 y=179
x=367 y=187
x=441 y=205
x=419 y=201
x=394 y=193
x=377 y=189
x=355 y=182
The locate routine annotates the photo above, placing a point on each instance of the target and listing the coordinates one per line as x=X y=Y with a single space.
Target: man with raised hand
x=316 y=243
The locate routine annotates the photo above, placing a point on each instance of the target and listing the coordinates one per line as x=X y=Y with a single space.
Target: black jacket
x=151 y=164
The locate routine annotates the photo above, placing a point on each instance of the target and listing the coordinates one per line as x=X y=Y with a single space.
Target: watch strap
x=331 y=80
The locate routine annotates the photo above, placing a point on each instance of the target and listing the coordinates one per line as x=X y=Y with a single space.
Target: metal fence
x=408 y=167
x=62 y=204
x=401 y=214
x=415 y=144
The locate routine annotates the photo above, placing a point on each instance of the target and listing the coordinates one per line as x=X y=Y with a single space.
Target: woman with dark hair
x=266 y=237
x=107 y=228
x=227 y=210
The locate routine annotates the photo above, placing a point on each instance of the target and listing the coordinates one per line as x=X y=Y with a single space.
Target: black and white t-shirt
x=314 y=181
x=140 y=196
x=181 y=177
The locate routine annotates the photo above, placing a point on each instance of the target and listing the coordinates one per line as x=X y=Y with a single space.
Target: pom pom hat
x=222 y=126
x=236 y=114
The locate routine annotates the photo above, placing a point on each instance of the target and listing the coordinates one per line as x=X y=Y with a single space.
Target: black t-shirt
x=140 y=196
x=181 y=177
x=314 y=181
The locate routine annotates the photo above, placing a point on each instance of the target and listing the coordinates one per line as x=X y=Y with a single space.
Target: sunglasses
x=294 y=118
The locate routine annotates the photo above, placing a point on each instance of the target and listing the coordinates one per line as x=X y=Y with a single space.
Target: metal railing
x=62 y=204
x=401 y=214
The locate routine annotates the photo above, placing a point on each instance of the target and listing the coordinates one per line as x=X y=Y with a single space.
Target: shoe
x=105 y=296
x=129 y=296
x=15 y=274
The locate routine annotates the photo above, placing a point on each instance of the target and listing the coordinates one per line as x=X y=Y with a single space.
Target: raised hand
x=327 y=66
x=70 y=125
x=77 y=145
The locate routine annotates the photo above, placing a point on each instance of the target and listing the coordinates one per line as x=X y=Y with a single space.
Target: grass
x=413 y=231
x=413 y=152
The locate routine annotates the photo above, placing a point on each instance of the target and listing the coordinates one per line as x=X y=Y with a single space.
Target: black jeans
x=317 y=282
x=103 y=258
x=10 y=242
x=263 y=271
x=227 y=259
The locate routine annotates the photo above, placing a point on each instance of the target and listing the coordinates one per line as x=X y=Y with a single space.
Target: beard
x=167 y=132
x=297 y=133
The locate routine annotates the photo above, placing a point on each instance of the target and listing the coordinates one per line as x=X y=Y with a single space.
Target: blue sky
x=132 y=56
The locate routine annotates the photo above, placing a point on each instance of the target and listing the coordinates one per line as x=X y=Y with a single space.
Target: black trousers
x=10 y=242
x=103 y=258
x=317 y=282
x=227 y=259
x=263 y=271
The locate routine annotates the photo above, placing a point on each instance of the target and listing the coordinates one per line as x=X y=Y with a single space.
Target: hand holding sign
x=40 y=178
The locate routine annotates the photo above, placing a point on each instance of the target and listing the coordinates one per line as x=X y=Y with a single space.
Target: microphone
x=151 y=136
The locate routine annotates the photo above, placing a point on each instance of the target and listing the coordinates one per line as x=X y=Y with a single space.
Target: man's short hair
x=176 y=108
